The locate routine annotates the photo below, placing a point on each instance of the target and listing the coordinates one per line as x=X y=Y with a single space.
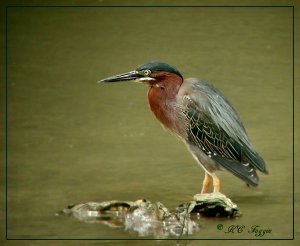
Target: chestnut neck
x=162 y=98
x=165 y=83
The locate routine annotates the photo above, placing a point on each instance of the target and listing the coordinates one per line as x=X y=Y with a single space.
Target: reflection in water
x=154 y=219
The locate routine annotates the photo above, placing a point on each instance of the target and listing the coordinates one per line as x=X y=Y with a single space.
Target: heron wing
x=215 y=127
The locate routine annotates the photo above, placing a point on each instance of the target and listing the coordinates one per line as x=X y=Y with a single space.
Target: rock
x=214 y=204
x=147 y=218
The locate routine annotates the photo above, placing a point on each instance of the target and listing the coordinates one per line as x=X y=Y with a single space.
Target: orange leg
x=205 y=184
x=216 y=182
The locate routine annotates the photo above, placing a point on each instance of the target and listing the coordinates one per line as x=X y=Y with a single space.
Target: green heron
x=202 y=118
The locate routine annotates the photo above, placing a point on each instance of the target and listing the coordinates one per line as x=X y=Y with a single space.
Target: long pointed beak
x=122 y=77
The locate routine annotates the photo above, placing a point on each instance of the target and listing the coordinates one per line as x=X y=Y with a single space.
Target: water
x=71 y=140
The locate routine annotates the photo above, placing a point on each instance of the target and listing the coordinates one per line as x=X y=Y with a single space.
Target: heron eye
x=147 y=72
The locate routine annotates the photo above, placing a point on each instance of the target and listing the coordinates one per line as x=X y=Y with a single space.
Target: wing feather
x=214 y=126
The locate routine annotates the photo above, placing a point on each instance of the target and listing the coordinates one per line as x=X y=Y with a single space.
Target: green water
x=71 y=140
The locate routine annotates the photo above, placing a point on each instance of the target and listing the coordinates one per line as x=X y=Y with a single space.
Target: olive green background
x=72 y=140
